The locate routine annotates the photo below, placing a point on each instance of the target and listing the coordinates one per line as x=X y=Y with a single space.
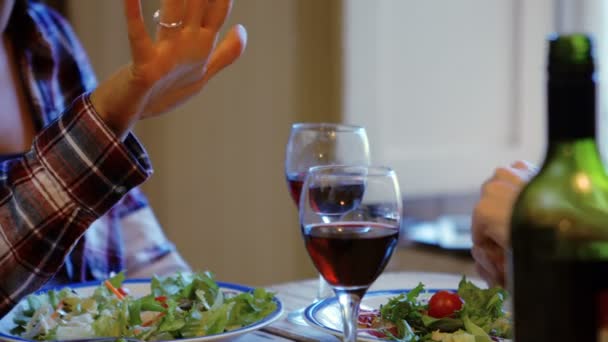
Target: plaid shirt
x=70 y=205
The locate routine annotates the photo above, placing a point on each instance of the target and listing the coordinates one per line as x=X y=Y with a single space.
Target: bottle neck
x=582 y=151
x=571 y=108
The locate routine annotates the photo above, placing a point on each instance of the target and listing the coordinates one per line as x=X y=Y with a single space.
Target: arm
x=78 y=168
x=76 y=171
x=149 y=251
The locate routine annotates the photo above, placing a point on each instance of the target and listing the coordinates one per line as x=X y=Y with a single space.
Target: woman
x=70 y=209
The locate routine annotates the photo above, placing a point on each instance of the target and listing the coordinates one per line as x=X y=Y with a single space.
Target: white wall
x=218 y=187
x=448 y=90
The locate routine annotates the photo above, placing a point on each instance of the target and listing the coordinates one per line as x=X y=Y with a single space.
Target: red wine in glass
x=294 y=182
x=350 y=254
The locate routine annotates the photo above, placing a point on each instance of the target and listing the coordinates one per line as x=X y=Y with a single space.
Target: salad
x=471 y=314
x=178 y=306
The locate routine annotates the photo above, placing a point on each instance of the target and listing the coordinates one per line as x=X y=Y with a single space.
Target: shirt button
x=120 y=189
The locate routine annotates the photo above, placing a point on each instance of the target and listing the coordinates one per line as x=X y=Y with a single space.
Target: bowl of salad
x=464 y=314
x=185 y=307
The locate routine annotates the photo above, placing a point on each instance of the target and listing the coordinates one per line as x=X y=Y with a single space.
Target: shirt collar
x=26 y=29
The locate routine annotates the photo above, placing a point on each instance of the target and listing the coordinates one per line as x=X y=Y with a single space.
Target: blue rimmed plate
x=141 y=287
x=325 y=315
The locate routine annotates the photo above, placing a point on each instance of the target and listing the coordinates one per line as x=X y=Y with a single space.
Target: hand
x=167 y=71
x=491 y=219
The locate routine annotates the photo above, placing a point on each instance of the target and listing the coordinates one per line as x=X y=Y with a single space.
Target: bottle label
x=603 y=316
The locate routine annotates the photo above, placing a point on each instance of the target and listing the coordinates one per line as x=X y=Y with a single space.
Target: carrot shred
x=114 y=290
x=153 y=320
x=55 y=313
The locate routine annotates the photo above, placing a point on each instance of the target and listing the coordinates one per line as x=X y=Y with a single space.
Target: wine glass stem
x=349 y=304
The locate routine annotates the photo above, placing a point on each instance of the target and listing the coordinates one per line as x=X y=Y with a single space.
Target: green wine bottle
x=559 y=227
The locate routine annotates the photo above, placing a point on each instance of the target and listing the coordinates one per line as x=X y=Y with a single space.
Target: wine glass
x=350 y=218
x=314 y=144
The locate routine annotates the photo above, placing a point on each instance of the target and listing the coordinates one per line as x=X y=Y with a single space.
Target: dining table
x=298 y=294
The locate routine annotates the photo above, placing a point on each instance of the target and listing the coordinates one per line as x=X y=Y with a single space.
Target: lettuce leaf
x=482 y=306
x=405 y=311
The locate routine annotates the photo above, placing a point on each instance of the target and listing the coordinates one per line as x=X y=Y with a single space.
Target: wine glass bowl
x=350 y=218
x=314 y=144
x=330 y=201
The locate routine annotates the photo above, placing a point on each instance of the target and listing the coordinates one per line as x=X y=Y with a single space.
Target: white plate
x=325 y=314
x=141 y=287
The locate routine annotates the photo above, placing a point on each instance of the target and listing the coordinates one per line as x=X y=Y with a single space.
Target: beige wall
x=218 y=187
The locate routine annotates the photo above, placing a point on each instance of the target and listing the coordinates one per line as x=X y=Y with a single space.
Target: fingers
x=490 y=278
x=520 y=164
x=171 y=11
x=195 y=12
x=492 y=214
x=510 y=176
x=491 y=218
x=490 y=222
x=216 y=15
x=502 y=193
x=485 y=275
x=490 y=264
x=524 y=165
x=227 y=51
x=524 y=169
x=139 y=41
x=210 y=14
x=490 y=256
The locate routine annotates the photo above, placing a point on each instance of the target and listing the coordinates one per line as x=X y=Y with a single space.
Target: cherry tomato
x=444 y=304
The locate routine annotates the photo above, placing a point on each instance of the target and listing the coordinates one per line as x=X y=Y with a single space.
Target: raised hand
x=171 y=68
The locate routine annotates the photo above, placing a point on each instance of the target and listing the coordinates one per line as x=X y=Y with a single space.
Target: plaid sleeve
x=75 y=172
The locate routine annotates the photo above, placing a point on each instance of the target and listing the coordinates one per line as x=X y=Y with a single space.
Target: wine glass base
x=297 y=317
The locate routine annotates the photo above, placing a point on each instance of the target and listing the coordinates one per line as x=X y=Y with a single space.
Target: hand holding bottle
x=490 y=222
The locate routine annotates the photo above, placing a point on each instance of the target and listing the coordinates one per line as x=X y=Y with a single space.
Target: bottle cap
x=571 y=53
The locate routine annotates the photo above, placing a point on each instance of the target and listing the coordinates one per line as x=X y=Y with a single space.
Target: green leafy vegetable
x=485 y=308
x=405 y=311
x=117 y=280
x=480 y=317
x=179 y=306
